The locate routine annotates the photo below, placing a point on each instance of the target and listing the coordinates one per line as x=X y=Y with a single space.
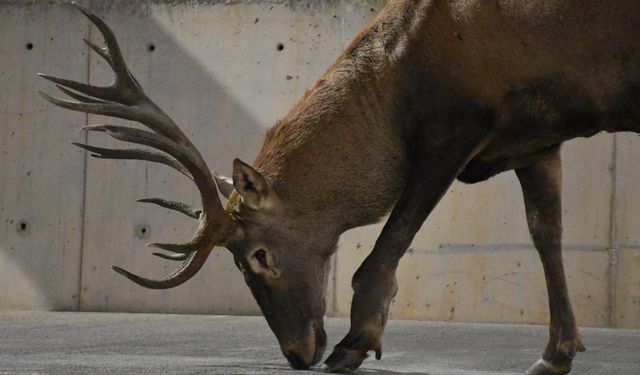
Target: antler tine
x=174 y=257
x=104 y=108
x=102 y=51
x=176 y=206
x=125 y=98
x=79 y=97
x=187 y=270
x=104 y=93
x=146 y=138
x=135 y=154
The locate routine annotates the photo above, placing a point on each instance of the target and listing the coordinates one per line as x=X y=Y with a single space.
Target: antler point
x=80 y=7
x=94 y=128
x=46 y=96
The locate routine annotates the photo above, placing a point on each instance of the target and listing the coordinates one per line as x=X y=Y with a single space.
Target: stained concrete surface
x=108 y=343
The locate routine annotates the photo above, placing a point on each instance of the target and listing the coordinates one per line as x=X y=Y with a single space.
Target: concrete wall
x=214 y=66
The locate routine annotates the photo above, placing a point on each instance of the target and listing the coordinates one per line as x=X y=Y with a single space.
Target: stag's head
x=281 y=250
x=284 y=259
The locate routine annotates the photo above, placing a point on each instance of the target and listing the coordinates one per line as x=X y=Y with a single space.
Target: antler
x=125 y=99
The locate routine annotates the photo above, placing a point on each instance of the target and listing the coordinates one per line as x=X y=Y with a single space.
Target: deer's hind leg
x=541 y=186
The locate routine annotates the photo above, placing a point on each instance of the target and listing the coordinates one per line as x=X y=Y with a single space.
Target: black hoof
x=343 y=360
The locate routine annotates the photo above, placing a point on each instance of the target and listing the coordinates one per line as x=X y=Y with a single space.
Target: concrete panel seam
x=614 y=245
x=334 y=285
x=461 y=248
x=84 y=187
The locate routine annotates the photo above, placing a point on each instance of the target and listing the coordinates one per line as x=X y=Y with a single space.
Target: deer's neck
x=341 y=153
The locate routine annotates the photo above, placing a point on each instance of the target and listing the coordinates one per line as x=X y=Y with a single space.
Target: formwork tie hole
x=142 y=231
x=23 y=228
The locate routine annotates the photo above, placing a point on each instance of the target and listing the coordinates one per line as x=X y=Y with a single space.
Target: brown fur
x=527 y=63
x=429 y=92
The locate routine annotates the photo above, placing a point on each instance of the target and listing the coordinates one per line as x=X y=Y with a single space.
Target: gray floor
x=96 y=343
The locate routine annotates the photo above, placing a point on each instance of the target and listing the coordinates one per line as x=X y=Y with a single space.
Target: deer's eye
x=261 y=257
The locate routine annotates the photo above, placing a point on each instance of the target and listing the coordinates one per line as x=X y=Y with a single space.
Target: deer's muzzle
x=309 y=349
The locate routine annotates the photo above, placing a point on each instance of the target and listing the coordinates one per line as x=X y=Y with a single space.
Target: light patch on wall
x=21 y=284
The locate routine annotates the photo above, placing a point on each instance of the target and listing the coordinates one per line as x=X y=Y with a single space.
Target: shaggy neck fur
x=341 y=148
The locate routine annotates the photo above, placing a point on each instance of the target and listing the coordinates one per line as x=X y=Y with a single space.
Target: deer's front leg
x=541 y=187
x=434 y=168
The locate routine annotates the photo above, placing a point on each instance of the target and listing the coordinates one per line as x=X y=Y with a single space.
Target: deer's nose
x=306 y=350
x=296 y=361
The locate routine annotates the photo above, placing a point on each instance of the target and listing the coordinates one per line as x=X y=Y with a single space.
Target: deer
x=430 y=92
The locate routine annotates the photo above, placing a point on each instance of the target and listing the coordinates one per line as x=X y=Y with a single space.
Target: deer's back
x=551 y=70
x=489 y=47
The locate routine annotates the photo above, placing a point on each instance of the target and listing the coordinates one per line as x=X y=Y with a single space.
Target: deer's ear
x=250 y=184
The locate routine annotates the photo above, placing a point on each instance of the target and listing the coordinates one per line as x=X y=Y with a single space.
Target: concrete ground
x=98 y=343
